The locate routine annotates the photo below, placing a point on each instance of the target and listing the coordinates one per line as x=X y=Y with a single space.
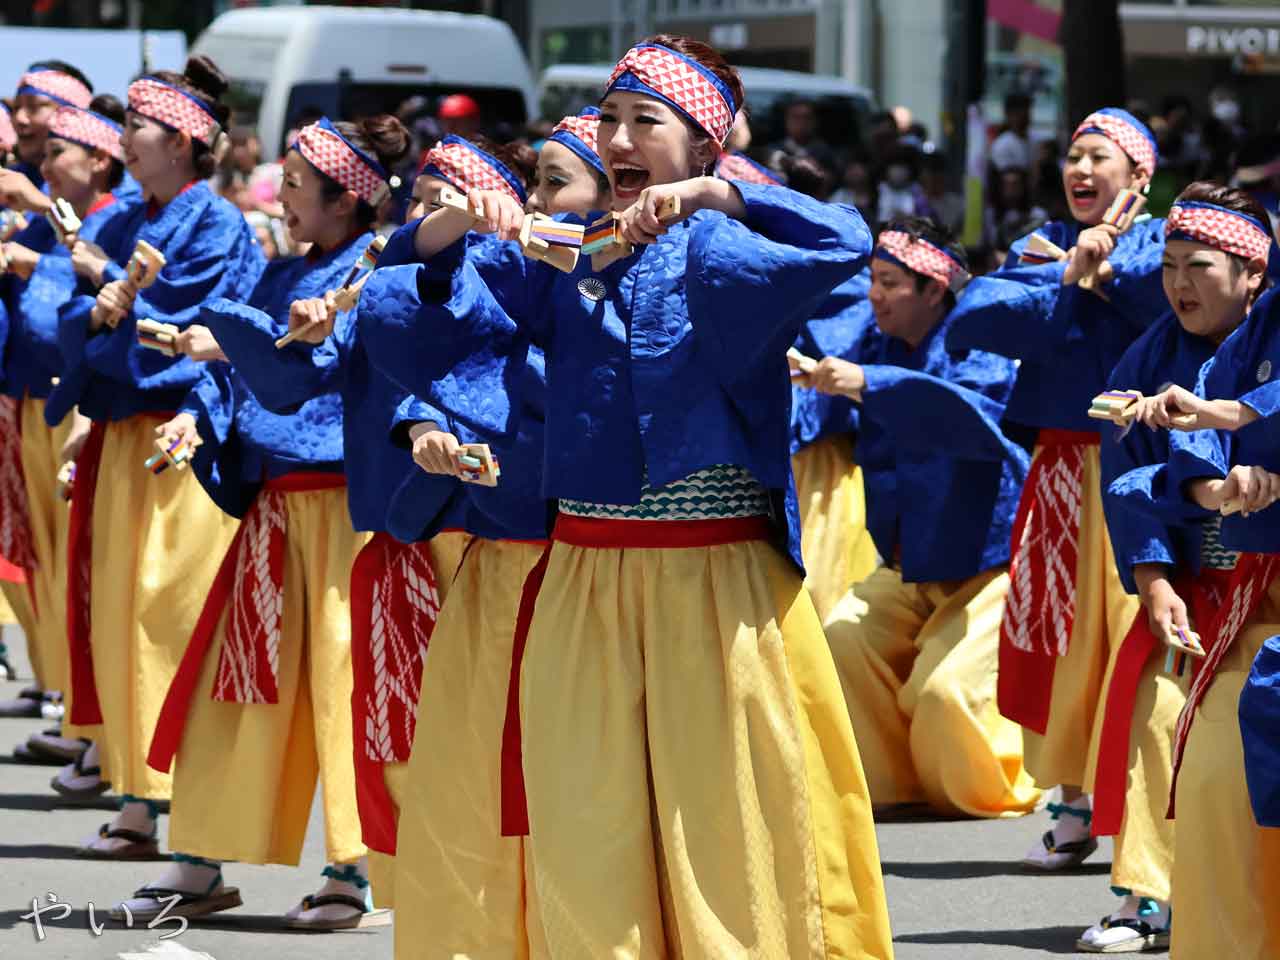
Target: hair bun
x=108 y=106
x=204 y=75
x=387 y=137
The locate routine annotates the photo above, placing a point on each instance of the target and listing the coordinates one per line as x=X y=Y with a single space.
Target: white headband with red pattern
x=918 y=254
x=176 y=109
x=1219 y=227
x=88 y=129
x=329 y=152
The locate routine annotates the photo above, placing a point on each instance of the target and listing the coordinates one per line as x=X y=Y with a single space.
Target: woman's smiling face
x=644 y=142
x=1096 y=170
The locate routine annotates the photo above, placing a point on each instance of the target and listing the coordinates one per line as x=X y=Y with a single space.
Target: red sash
x=85 y=710
x=596 y=533
x=17 y=547
x=1041 y=607
x=251 y=580
x=1203 y=595
x=394 y=606
x=1250 y=582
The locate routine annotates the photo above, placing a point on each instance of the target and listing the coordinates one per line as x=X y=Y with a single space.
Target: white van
x=842 y=107
x=342 y=61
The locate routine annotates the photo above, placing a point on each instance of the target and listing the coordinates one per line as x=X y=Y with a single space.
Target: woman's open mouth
x=1083 y=195
x=628 y=179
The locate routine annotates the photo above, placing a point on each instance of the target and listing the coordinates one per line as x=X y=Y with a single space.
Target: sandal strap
x=165 y=893
x=153 y=809
x=1131 y=923
x=82 y=770
x=120 y=833
x=1074 y=846
x=348 y=873
x=1058 y=810
x=312 y=901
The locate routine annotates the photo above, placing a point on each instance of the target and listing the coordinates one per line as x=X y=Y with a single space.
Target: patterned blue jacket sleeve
x=921 y=410
x=752 y=283
x=222 y=259
x=441 y=329
x=1137 y=535
x=218 y=460
x=282 y=380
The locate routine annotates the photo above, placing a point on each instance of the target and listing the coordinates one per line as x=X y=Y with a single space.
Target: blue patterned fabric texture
x=29 y=308
x=836 y=330
x=1133 y=461
x=678 y=366
x=210 y=252
x=1067 y=339
x=311 y=406
x=942 y=479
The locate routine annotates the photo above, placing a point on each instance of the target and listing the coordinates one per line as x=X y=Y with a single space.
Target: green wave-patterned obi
x=1213 y=555
x=716 y=493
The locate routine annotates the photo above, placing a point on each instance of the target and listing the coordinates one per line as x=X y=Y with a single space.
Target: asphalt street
x=955 y=892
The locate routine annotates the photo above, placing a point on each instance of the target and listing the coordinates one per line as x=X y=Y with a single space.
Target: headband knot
x=677 y=80
x=467 y=167
x=91 y=130
x=1235 y=233
x=581 y=134
x=175 y=109
x=1125 y=131
x=324 y=147
x=60 y=87
x=919 y=255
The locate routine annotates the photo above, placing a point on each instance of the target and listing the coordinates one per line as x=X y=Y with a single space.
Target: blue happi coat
x=1245 y=368
x=836 y=330
x=1166 y=354
x=326 y=402
x=665 y=363
x=942 y=479
x=513 y=510
x=29 y=308
x=210 y=252
x=1067 y=340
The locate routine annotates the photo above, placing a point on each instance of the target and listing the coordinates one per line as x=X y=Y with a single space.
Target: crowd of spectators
x=891 y=168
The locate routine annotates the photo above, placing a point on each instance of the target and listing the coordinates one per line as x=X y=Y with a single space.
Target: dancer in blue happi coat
x=1057 y=638
x=915 y=643
x=43 y=88
x=83 y=166
x=667 y=447
x=1175 y=565
x=139 y=567
x=1224 y=859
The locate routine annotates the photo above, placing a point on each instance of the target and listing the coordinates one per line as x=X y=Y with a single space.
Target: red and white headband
x=1125 y=135
x=88 y=129
x=56 y=85
x=1219 y=227
x=322 y=146
x=466 y=167
x=174 y=108
x=8 y=135
x=921 y=256
x=681 y=82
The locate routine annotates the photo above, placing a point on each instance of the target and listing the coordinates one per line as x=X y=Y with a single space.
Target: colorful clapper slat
x=559 y=234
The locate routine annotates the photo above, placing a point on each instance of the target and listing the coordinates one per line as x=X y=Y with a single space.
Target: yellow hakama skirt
x=838 y=550
x=1226 y=868
x=245 y=773
x=693 y=785
x=157 y=542
x=918 y=665
x=49 y=515
x=446 y=548
x=461 y=882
